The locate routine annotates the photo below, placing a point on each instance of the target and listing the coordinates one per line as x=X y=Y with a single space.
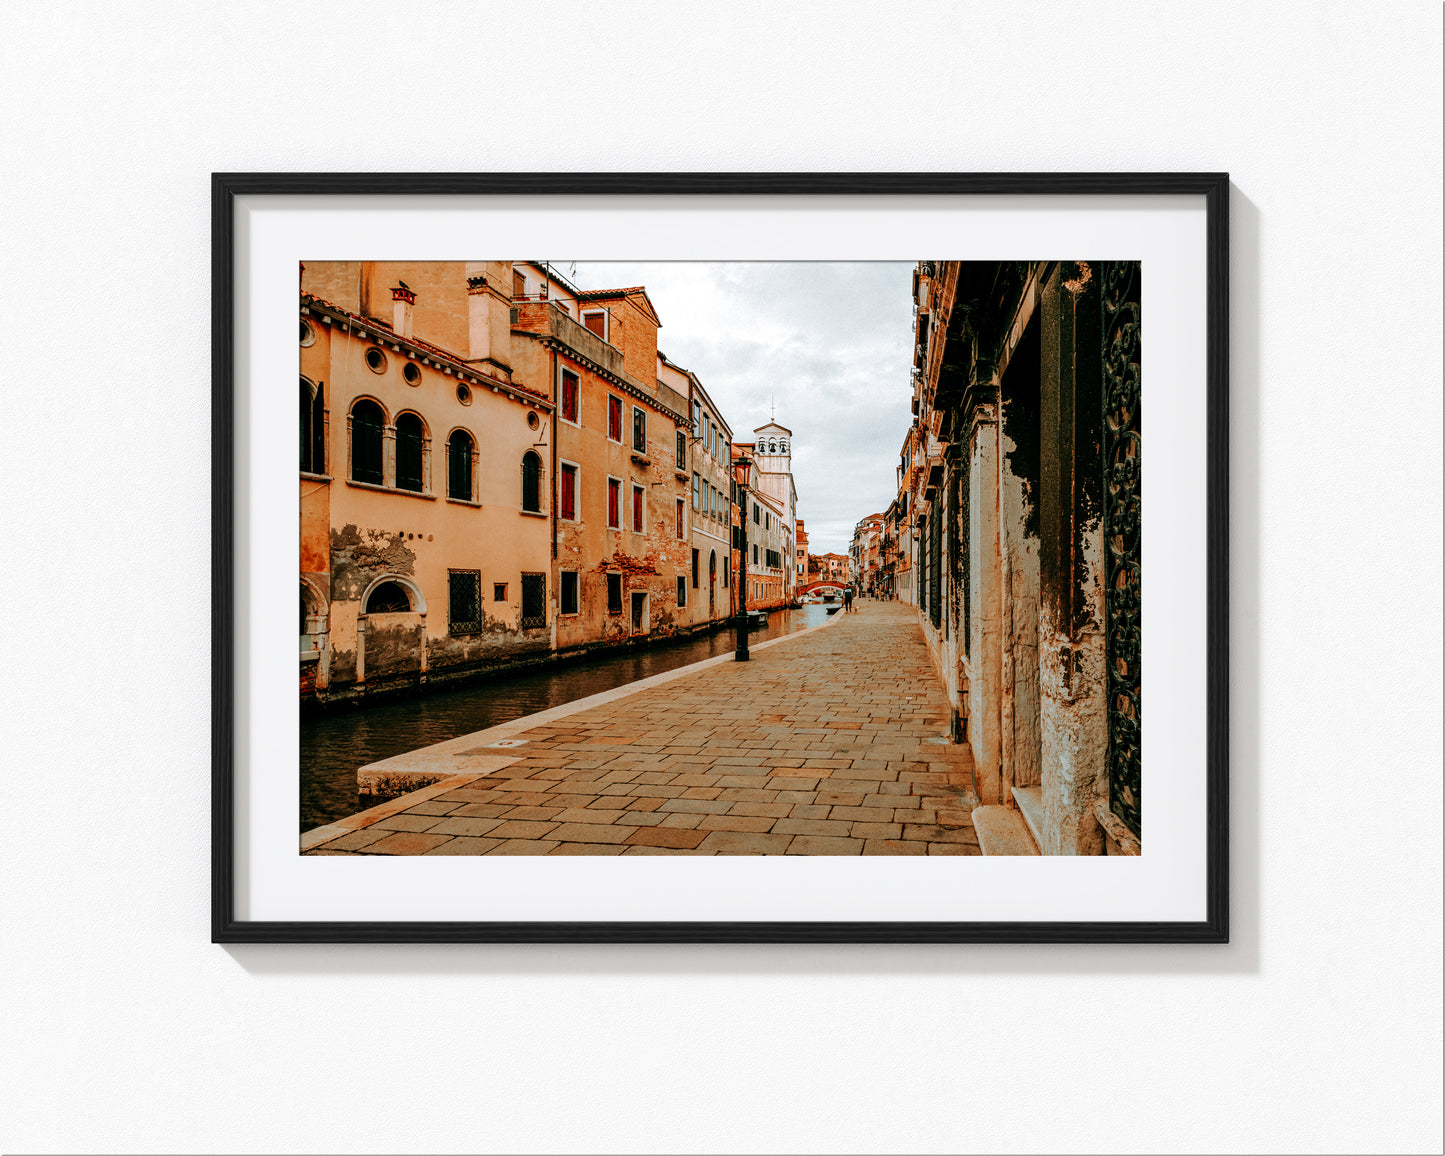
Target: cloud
x=828 y=343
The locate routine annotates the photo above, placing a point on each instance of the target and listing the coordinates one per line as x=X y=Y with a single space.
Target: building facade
x=1023 y=485
x=498 y=468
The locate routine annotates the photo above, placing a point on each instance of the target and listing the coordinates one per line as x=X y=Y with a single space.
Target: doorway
x=639 y=612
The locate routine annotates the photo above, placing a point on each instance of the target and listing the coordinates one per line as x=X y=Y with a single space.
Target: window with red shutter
x=637 y=509
x=568 y=502
x=614 y=503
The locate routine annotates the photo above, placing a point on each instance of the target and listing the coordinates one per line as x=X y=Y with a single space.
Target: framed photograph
x=767 y=562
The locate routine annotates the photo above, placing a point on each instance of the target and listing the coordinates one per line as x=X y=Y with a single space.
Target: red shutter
x=569 y=492
x=637 y=510
x=614 y=502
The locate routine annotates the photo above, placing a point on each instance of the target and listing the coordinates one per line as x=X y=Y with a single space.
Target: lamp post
x=742 y=467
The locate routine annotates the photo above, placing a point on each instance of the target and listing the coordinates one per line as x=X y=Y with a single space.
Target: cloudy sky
x=830 y=344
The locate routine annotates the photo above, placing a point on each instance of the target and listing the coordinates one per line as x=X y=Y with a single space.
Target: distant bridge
x=826 y=586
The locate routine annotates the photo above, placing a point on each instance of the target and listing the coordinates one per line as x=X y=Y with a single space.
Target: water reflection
x=334 y=746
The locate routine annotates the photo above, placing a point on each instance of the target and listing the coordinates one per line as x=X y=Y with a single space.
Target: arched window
x=410 y=440
x=712 y=567
x=366 y=423
x=313 y=428
x=459 y=466
x=388 y=598
x=531 y=483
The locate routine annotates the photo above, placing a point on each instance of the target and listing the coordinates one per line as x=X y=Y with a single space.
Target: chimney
x=402 y=300
x=489 y=314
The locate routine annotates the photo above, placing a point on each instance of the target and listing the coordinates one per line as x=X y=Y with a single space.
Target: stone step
x=1030 y=802
x=1002 y=831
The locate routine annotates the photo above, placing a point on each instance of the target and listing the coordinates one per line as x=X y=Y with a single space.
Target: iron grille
x=464 y=601
x=534 y=601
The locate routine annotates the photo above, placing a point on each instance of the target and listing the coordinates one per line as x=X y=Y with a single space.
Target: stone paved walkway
x=829 y=743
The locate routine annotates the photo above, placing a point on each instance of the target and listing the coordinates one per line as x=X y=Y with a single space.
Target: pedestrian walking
x=848 y=600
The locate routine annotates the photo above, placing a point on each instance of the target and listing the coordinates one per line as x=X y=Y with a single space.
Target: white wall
x=1317 y=1029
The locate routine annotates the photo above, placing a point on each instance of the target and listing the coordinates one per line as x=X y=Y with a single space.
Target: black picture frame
x=226 y=187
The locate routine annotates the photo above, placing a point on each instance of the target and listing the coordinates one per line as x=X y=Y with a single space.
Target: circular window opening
x=412 y=373
x=376 y=361
x=533 y=421
x=308 y=335
x=464 y=395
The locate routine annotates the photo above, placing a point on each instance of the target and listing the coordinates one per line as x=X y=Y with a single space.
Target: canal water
x=334 y=746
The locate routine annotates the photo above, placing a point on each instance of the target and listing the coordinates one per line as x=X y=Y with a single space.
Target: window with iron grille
x=531 y=483
x=571 y=387
x=614 y=594
x=681 y=450
x=464 y=601
x=366 y=423
x=410 y=439
x=534 y=601
x=499 y=592
x=682 y=590
x=567 y=591
x=614 y=417
x=694 y=569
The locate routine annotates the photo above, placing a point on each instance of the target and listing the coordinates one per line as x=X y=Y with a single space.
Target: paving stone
x=812 y=827
x=824 y=845
x=525 y=847
x=863 y=814
x=696 y=806
x=519 y=829
x=465 y=846
x=406 y=822
x=665 y=837
x=481 y=811
x=735 y=823
x=474 y=827
x=877 y=831
x=896 y=847
x=357 y=839
x=542 y=813
x=590 y=833
x=587 y=849
x=743 y=843
x=760 y=810
x=809 y=811
x=589 y=815
x=406 y=843
x=433 y=807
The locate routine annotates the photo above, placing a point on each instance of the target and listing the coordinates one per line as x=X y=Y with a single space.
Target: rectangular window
x=464 y=601
x=597 y=323
x=614 y=418
x=568 y=592
x=681 y=591
x=571 y=388
x=639 y=430
x=694 y=569
x=567 y=500
x=681 y=518
x=696 y=490
x=614 y=594
x=681 y=450
x=728 y=566
x=614 y=503
x=534 y=601
x=637 y=508
x=697 y=419
x=755 y=553
x=758 y=515
x=519 y=284
x=499 y=592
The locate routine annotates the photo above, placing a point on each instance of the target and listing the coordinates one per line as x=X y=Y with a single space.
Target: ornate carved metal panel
x=1122 y=607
